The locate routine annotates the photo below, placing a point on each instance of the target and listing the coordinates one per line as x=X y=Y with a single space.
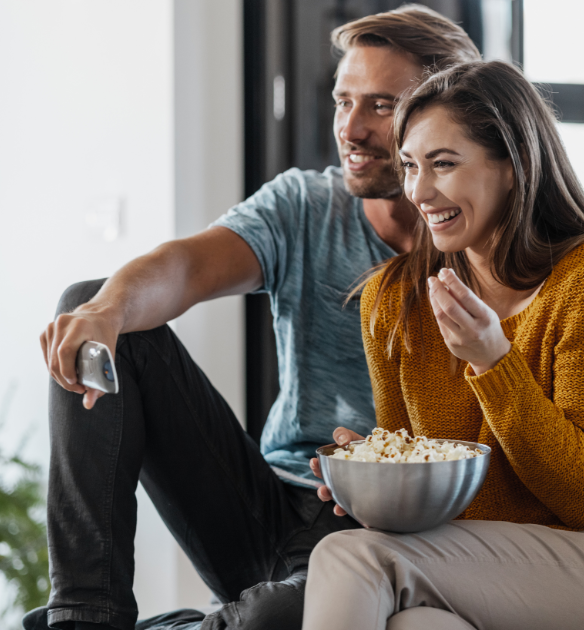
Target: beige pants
x=463 y=575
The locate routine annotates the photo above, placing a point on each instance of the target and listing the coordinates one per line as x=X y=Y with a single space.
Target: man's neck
x=393 y=220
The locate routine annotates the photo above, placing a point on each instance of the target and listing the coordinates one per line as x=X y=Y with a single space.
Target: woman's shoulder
x=568 y=273
x=388 y=306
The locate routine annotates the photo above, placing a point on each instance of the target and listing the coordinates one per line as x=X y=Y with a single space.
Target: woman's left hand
x=471 y=329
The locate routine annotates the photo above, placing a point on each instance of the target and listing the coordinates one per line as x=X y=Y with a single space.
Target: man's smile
x=362 y=160
x=358 y=158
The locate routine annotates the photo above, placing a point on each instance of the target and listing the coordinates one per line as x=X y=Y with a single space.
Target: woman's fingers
x=465 y=297
x=324 y=494
x=315 y=467
x=471 y=330
x=447 y=309
x=344 y=436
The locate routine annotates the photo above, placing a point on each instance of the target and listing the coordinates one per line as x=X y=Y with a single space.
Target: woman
x=491 y=351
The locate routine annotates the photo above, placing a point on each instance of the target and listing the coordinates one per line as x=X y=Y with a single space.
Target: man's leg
x=493 y=575
x=280 y=603
x=207 y=478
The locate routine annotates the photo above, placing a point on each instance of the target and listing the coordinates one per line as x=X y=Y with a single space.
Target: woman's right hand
x=342 y=437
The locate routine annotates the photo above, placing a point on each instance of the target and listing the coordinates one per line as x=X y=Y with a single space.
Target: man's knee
x=266 y=606
x=77 y=294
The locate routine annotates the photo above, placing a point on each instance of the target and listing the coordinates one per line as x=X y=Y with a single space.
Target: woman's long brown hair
x=544 y=217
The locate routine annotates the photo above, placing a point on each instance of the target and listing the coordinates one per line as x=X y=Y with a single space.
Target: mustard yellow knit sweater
x=529 y=408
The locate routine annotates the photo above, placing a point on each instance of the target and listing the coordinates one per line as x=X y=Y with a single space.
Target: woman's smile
x=440 y=220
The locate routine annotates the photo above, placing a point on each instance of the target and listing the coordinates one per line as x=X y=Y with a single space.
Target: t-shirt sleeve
x=270 y=221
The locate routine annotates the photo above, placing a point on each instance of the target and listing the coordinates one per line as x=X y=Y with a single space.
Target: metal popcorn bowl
x=404 y=497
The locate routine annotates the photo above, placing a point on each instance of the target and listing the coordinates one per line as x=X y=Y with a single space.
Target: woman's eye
x=408 y=165
x=443 y=164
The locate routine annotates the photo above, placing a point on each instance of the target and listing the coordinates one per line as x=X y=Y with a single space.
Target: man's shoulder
x=331 y=179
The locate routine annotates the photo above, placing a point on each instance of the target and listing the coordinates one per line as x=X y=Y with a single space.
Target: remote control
x=96 y=368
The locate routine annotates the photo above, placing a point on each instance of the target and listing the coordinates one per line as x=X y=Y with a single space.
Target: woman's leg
x=425 y=618
x=493 y=575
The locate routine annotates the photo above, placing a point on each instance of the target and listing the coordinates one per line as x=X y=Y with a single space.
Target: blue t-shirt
x=313 y=242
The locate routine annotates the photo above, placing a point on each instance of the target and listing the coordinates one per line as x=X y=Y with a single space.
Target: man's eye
x=342 y=104
x=384 y=107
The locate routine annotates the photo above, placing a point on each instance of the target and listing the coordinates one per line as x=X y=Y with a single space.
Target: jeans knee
x=77 y=294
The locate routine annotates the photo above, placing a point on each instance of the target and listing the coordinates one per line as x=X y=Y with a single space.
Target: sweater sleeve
x=543 y=439
x=390 y=407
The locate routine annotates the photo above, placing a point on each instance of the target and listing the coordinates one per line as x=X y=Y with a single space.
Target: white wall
x=95 y=105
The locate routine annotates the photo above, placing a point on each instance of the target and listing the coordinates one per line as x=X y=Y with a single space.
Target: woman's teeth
x=440 y=217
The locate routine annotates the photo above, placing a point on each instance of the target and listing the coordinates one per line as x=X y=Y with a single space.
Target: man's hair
x=433 y=39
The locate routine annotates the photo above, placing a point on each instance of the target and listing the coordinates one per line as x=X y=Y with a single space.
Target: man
x=243 y=517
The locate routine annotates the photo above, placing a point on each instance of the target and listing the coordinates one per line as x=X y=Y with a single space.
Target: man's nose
x=355 y=127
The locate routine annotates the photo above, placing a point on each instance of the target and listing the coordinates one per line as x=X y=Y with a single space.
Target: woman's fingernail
x=343 y=438
x=431 y=281
x=442 y=273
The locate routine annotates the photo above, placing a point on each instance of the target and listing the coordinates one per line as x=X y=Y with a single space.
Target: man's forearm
x=157 y=287
x=147 y=292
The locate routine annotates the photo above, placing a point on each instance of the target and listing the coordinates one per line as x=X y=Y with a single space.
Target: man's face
x=369 y=82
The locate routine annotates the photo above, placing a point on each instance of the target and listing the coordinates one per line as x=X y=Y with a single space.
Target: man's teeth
x=440 y=217
x=358 y=158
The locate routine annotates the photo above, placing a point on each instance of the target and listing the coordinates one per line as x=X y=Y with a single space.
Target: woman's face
x=460 y=192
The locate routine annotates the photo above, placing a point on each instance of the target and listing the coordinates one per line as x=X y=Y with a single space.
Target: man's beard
x=384 y=183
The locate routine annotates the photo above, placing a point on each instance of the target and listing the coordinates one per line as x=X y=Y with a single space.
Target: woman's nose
x=421 y=188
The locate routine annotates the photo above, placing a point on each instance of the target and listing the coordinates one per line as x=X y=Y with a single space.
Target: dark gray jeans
x=244 y=530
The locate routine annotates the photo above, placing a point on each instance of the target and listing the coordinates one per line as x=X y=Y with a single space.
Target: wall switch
x=104 y=217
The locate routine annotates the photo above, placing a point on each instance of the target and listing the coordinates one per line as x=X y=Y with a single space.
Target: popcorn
x=393 y=448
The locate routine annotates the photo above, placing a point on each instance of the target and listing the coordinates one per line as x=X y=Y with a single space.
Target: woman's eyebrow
x=434 y=153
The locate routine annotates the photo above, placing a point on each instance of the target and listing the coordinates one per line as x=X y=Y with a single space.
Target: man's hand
x=62 y=339
x=471 y=329
x=148 y=292
x=342 y=437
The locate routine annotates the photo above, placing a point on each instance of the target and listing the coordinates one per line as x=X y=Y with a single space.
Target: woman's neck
x=505 y=301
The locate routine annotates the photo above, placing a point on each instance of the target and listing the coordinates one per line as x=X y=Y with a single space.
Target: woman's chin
x=448 y=246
